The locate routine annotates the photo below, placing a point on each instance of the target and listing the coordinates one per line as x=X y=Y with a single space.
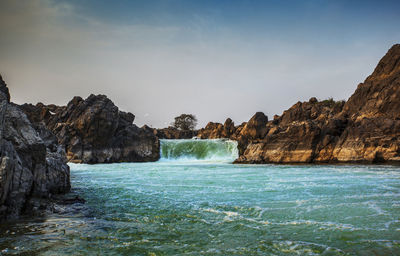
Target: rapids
x=194 y=202
x=216 y=150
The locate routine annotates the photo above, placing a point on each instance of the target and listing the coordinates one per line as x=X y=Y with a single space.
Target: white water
x=192 y=150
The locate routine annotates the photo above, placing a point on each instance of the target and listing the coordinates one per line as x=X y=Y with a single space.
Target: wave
x=188 y=150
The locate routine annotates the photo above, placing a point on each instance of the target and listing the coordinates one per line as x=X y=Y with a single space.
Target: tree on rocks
x=185 y=122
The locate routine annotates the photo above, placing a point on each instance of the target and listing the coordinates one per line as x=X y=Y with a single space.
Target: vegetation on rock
x=185 y=122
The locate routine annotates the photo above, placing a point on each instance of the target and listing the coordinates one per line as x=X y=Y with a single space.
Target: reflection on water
x=219 y=209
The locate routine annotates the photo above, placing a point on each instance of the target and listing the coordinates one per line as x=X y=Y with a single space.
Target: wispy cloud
x=51 y=51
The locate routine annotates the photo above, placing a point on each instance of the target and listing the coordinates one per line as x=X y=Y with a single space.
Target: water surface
x=213 y=208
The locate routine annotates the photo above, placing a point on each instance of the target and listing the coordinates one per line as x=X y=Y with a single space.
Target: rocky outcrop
x=252 y=130
x=32 y=164
x=94 y=130
x=294 y=136
x=227 y=130
x=379 y=95
x=365 y=129
x=373 y=112
x=217 y=130
x=4 y=93
x=174 y=133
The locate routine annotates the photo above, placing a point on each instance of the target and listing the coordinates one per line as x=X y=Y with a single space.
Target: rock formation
x=295 y=136
x=174 y=133
x=373 y=112
x=217 y=130
x=94 y=130
x=32 y=164
x=366 y=128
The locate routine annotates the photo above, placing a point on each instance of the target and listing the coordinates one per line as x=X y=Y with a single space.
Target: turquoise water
x=213 y=208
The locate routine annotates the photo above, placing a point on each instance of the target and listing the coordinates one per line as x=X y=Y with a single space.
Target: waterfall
x=211 y=150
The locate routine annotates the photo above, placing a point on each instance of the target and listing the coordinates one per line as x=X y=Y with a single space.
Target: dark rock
x=313 y=100
x=32 y=164
x=4 y=93
x=174 y=133
x=94 y=130
x=228 y=128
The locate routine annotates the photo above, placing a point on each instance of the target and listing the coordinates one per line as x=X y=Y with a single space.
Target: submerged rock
x=94 y=130
x=32 y=164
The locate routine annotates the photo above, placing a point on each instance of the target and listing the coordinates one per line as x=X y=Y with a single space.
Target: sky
x=214 y=59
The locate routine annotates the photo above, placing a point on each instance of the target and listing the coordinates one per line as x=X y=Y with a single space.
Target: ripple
x=220 y=209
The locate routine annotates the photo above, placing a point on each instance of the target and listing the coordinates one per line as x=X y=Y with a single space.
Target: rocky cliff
x=298 y=134
x=94 y=130
x=366 y=128
x=373 y=114
x=32 y=164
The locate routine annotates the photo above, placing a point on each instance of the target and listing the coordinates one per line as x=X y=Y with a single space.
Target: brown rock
x=256 y=127
x=364 y=129
x=379 y=95
x=295 y=144
x=217 y=130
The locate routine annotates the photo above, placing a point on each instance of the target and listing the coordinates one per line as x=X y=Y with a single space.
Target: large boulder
x=211 y=131
x=256 y=127
x=94 y=130
x=32 y=164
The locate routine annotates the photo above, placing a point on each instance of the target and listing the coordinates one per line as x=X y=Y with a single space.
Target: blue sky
x=215 y=59
x=255 y=18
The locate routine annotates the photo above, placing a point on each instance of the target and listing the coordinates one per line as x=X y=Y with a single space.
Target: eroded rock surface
x=373 y=111
x=32 y=164
x=94 y=130
x=366 y=128
x=217 y=130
